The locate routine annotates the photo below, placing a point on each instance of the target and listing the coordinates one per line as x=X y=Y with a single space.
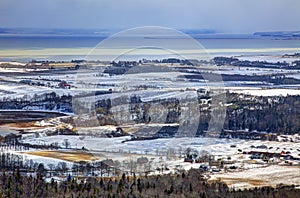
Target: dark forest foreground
x=186 y=184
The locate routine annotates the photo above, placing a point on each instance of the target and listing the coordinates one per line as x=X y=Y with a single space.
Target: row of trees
x=45 y=101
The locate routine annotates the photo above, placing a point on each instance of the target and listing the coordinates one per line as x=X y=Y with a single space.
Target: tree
x=51 y=167
x=191 y=188
x=188 y=152
x=41 y=169
x=66 y=143
x=62 y=166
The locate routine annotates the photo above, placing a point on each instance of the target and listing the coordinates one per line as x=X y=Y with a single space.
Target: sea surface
x=64 y=48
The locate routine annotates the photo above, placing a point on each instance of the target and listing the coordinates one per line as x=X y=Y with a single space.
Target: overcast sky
x=233 y=16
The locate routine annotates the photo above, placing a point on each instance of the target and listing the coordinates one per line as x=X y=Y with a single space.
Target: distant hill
x=279 y=34
x=55 y=32
x=82 y=32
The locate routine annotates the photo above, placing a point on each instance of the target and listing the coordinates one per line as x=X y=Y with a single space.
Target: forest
x=277 y=114
x=186 y=184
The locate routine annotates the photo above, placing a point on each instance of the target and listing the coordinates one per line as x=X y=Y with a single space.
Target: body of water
x=24 y=48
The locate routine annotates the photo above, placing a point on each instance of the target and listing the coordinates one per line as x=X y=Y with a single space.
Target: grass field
x=72 y=156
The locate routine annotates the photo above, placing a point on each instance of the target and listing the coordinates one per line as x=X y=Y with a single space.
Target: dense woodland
x=186 y=184
x=276 y=114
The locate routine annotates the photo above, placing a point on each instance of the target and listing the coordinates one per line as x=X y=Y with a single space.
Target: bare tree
x=66 y=143
x=51 y=167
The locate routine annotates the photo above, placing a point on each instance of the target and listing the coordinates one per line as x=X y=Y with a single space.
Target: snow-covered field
x=250 y=173
x=214 y=146
x=268 y=58
x=296 y=76
x=261 y=176
x=267 y=92
x=166 y=84
x=253 y=71
x=15 y=90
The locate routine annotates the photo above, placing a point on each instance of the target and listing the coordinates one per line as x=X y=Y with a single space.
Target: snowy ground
x=161 y=84
x=266 y=92
x=250 y=173
x=217 y=147
x=253 y=71
x=262 y=176
x=268 y=58
x=166 y=85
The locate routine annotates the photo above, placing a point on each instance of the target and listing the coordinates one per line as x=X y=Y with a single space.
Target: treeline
x=186 y=184
x=11 y=162
x=219 y=61
x=274 y=78
x=46 y=101
x=277 y=114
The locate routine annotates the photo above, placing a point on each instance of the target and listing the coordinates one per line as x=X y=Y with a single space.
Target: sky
x=226 y=16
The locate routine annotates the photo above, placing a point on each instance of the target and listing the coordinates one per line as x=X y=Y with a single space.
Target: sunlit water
x=24 y=48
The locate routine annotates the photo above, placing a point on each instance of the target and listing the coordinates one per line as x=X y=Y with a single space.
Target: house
x=262 y=147
x=28 y=82
x=64 y=85
x=263 y=155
